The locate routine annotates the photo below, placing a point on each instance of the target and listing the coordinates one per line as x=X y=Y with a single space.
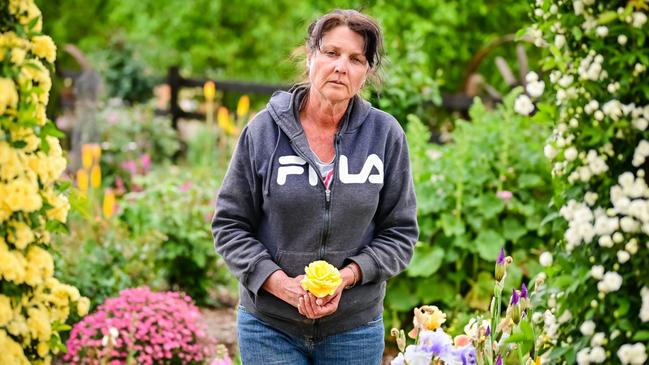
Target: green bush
x=179 y=203
x=487 y=189
x=596 y=56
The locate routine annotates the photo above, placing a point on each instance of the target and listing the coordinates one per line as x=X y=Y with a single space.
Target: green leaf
x=607 y=17
x=400 y=297
x=526 y=181
x=642 y=335
x=488 y=244
x=434 y=289
x=489 y=205
x=452 y=224
x=513 y=229
x=426 y=260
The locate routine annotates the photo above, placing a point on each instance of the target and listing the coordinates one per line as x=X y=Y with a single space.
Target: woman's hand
x=314 y=308
x=285 y=287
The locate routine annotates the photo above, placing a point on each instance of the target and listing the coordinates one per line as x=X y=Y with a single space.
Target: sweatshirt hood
x=284 y=108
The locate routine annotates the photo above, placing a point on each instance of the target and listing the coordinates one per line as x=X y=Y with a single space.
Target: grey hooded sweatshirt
x=273 y=211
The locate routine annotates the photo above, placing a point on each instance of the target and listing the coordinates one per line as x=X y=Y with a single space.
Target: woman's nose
x=341 y=65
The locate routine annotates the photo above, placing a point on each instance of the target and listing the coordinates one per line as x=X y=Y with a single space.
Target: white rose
x=587 y=328
x=582 y=357
x=640 y=123
x=523 y=105
x=621 y=39
x=623 y=256
x=559 y=40
x=632 y=354
x=546 y=259
x=611 y=282
x=639 y=19
x=601 y=31
x=531 y=77
x=549 y=152
x=597 y=355
x=598 y=339
x=597 y=272
x=570 y=154
x=535 y=89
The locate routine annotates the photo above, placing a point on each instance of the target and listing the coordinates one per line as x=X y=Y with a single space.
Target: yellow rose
x=12 y=352
x=83 y=305
x=44 y=47
x=5 y=310
x=38 y=323
x=20 y=234
x=8 y=94
x=321 y=279
x=18 y=56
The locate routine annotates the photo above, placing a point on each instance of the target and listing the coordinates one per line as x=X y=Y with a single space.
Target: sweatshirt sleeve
x=238 y=211
x=395 y=220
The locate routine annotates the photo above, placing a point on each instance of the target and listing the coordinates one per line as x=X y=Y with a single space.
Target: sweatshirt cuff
x=368 y=266
x=260 y=273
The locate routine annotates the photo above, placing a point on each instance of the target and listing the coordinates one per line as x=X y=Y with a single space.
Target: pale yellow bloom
x=12 y=352
x=428 y=317
x=224 y=121
x=28 y=136
x=321 y=279
x=5 y=310
x=41 y=115
x=13 y=264
x=44 y=47
x=40 y=266
x=20 y=234
x=83 y=305
x=18 y=56
x=8 y=94
x=39 y=324
x=43 y=349
x=243 y=106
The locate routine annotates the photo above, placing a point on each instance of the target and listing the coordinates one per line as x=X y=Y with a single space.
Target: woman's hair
x=358 y=22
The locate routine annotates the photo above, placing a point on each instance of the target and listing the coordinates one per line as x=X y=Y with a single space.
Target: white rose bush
x=34 y=305
x=597 y=61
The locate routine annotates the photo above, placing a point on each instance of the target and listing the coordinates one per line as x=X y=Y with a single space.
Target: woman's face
x=339 y=68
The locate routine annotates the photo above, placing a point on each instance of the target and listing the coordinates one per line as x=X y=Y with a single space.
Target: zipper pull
x=328 y=195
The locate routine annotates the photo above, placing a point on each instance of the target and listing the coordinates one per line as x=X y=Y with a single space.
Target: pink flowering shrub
x=141 y=327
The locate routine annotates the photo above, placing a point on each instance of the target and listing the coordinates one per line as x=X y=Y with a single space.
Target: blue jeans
x=259 y=343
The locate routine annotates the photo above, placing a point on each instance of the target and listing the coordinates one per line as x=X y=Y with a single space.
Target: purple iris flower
x=435 y=342
x=488 y=333
x=523 y=291
x=499 y=360
x=515 y=297
x=466 y=355
x=501 y=257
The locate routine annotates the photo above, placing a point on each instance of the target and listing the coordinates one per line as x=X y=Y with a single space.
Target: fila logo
x=372 y=170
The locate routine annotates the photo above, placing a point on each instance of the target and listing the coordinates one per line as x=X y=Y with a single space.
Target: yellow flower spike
x=243 y=106
x=209 y=90
x=223 y=118
x=82 y=180
x=537 y=361
x=109 y=203
x=86 y=156
x=95 y=152
x=321 y=279
x=95 y=176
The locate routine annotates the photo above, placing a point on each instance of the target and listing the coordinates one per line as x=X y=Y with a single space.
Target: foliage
x=485 y=190
x=179 y=204
x=100 y=256
x=125 y=75
x=597 y=54
x=34 y=305
x=142 y=327
x=492 y=337
x=134 y=140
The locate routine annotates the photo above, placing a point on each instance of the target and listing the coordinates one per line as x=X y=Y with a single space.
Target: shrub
x=34 y=305
x=143 y=327
x=487 y=189
x=597 y=58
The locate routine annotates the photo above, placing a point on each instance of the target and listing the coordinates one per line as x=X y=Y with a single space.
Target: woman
x=318 y=174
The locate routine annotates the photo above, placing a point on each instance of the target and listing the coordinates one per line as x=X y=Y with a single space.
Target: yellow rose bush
x=321 y=279
x=34 y=305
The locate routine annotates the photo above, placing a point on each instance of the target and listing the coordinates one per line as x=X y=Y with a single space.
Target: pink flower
x=149 y=325
x=145 y=162
x=505 y=196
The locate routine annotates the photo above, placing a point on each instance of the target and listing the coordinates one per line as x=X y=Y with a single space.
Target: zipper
x=327 y=213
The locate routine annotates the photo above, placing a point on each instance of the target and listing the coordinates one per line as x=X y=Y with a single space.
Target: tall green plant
x=487 y=189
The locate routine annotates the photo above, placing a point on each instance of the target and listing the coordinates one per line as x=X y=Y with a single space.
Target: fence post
x=174 y=80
